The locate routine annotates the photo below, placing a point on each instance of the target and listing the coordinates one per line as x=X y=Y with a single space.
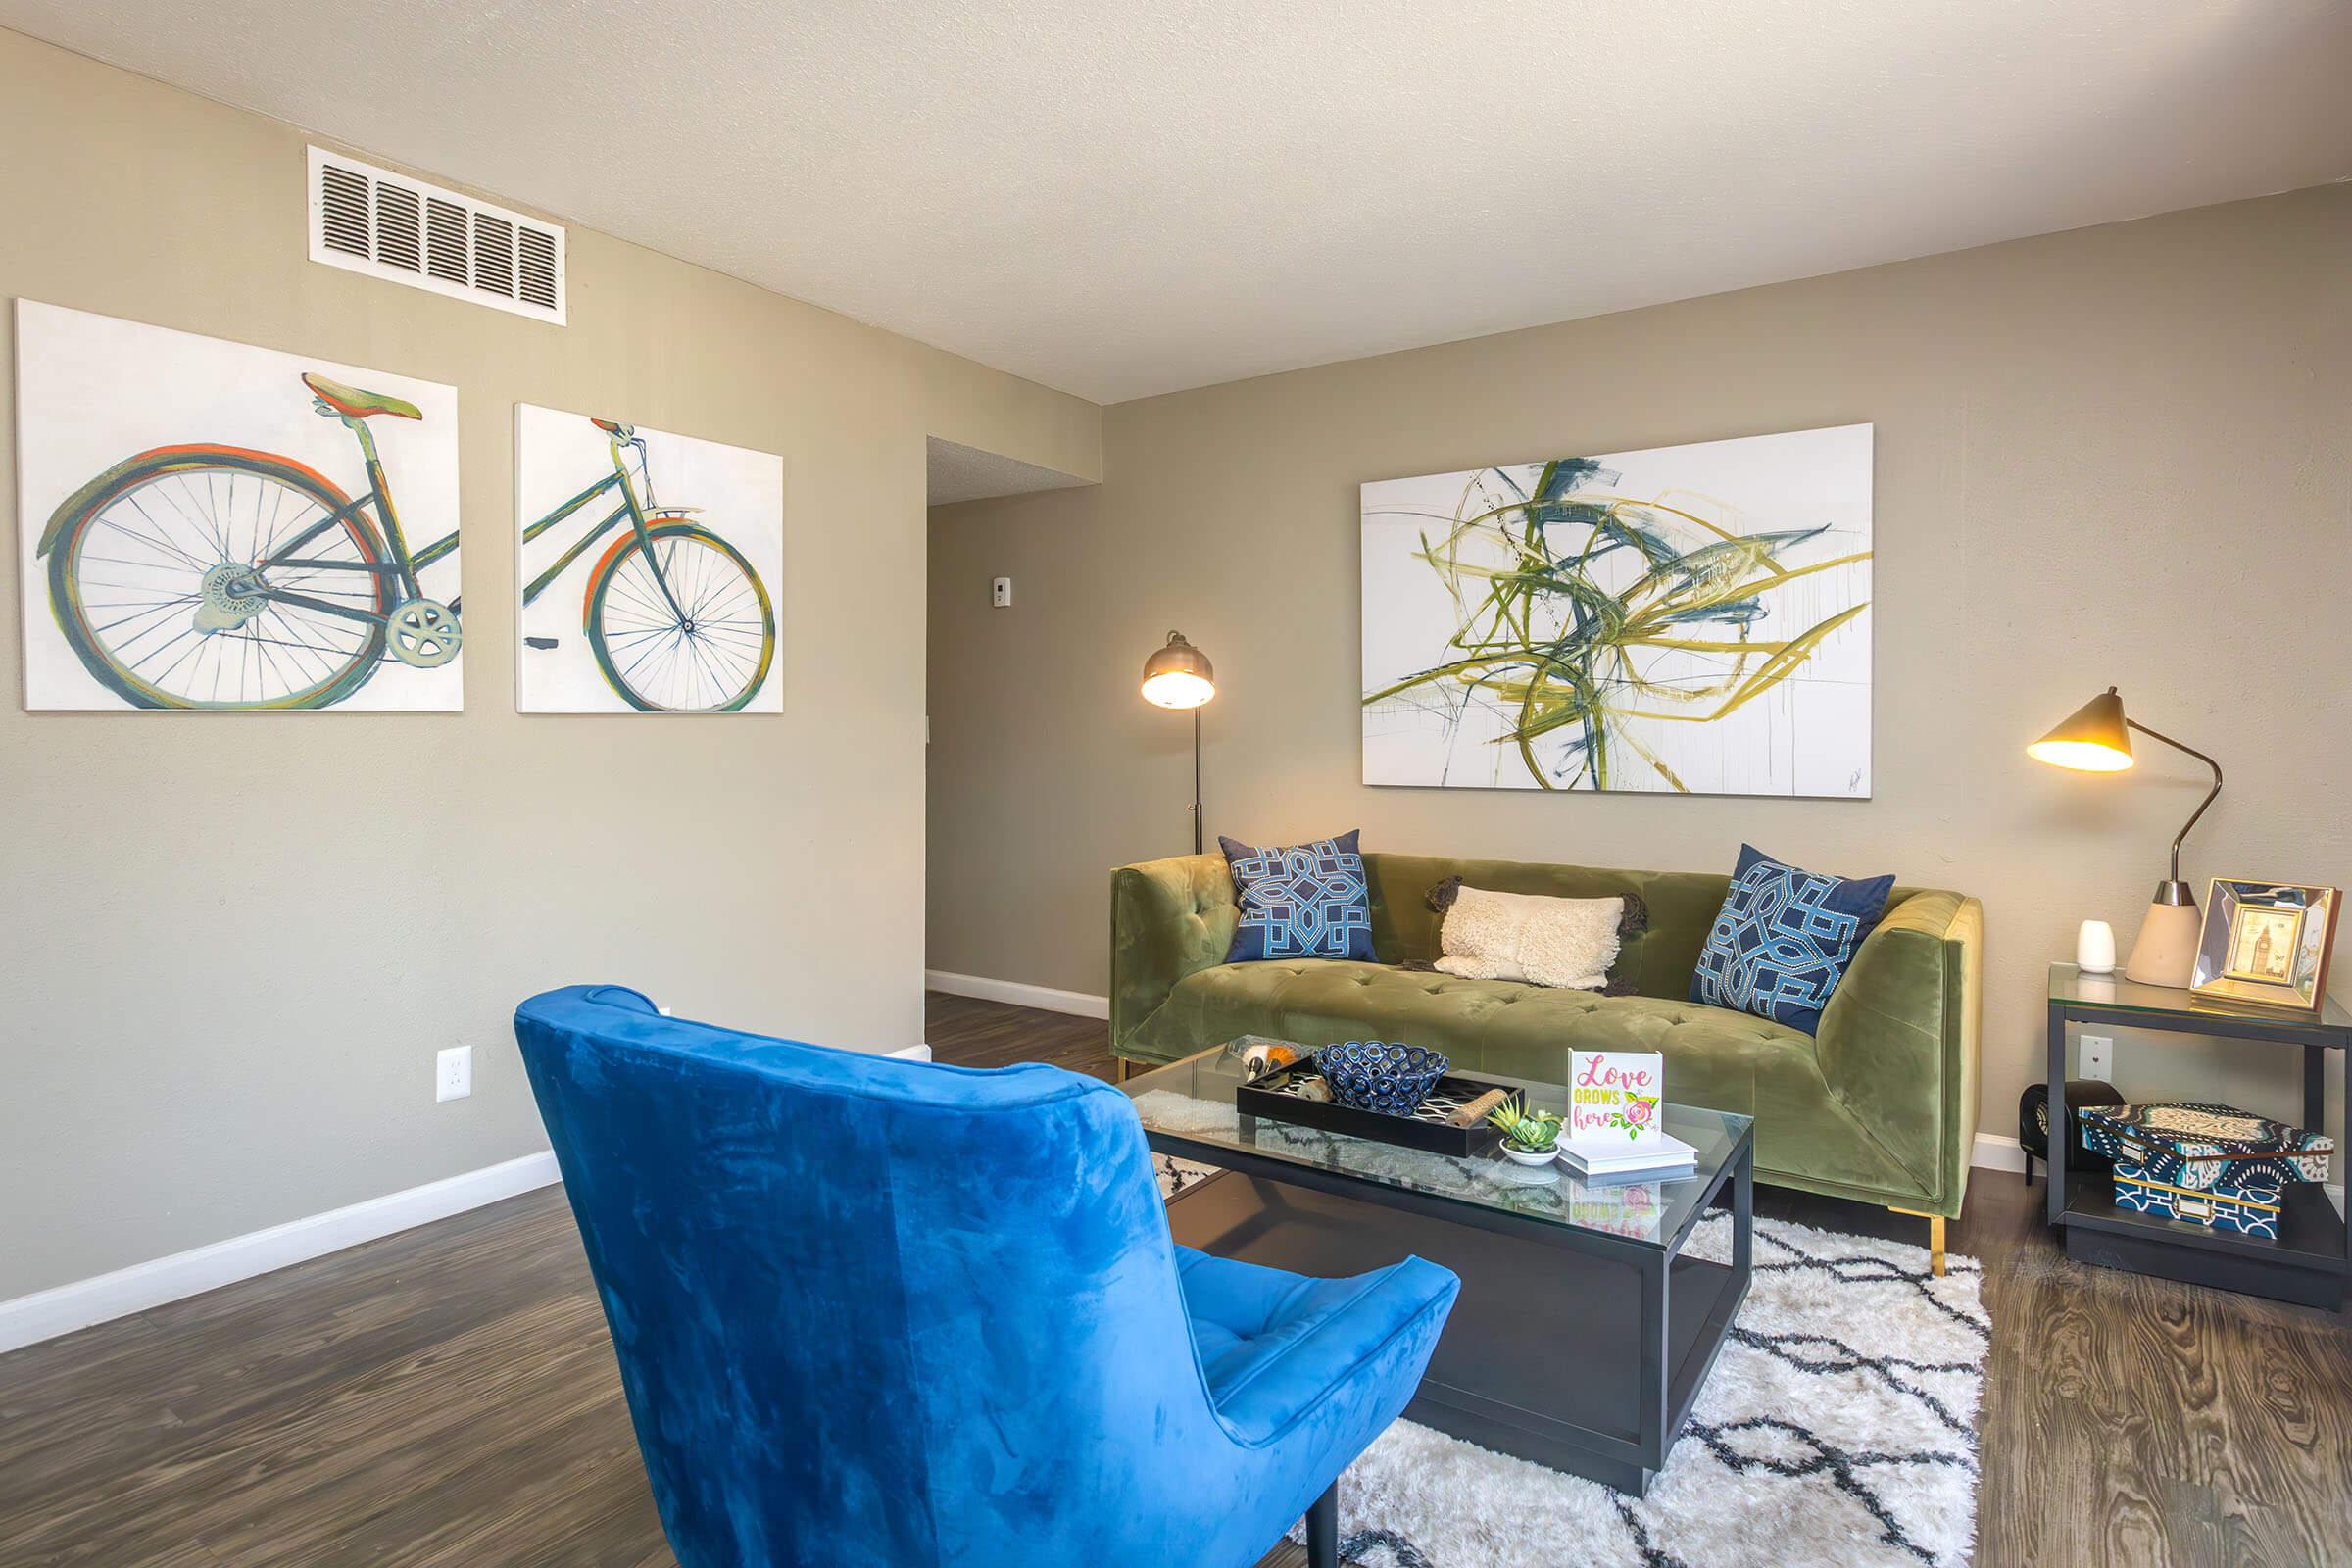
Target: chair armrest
x=1371 y=1350
x=1168 y=918
x=1898 y=1042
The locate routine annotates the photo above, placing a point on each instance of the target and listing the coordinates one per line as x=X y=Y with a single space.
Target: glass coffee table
x=1583 y=1331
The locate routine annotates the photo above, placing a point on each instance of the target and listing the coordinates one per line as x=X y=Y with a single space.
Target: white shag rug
x=1838 y=1430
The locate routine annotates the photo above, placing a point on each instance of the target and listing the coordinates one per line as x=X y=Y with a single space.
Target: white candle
x=2094 y=947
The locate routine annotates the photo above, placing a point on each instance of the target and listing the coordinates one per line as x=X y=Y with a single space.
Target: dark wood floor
x=447 y=1397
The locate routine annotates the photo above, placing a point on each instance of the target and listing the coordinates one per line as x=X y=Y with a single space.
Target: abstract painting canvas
x=204 y=525
x=650 y=566
x=1692 y=620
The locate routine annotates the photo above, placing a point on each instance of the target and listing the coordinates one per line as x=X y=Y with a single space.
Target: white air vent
x=366 y=220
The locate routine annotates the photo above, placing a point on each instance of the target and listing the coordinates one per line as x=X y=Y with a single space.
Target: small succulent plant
x=1529 y=1131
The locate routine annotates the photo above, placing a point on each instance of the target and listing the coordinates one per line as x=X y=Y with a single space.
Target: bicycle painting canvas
x=649 y=571
x=208 y=525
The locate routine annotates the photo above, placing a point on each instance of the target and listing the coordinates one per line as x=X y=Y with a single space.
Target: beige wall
x=234 y=942
x=2121 y=455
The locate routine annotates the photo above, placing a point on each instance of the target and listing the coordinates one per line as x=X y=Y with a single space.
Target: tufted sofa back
x=1682 y=908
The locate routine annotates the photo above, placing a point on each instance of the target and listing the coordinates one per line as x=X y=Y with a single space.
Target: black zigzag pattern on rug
x=1838 y=1465
x=1177 y=1175
x=1652 y=1556
x=1812 y=1353
x=1846 y=1358
x=1403 y=1554
x=1870 y=1271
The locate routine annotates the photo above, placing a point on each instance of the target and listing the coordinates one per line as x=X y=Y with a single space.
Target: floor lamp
x=1179 y=675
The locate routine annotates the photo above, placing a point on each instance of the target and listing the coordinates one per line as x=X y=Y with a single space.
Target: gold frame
x=2216 y=976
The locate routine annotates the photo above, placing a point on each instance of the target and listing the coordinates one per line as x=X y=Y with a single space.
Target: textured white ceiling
x=1119 y=198
x=958 y=472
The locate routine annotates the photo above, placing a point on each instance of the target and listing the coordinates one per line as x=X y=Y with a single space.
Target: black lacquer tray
x=1275 y=1096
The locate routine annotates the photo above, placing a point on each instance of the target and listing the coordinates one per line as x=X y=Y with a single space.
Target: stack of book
x=1653 y=1156
x=1615 y=1102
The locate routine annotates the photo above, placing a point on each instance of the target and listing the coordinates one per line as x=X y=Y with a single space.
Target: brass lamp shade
x=2093 y=738
x=1178 y=675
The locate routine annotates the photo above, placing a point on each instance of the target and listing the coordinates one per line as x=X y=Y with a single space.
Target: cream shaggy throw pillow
x=1568 y=943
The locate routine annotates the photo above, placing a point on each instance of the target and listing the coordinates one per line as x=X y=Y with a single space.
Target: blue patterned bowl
x=1368 y=1075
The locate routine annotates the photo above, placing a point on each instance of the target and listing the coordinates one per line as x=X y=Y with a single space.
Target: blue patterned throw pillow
x=1308 y=901
x=1784 y=937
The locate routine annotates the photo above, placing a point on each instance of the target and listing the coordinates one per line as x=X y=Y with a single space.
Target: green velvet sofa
x=1881 y=1105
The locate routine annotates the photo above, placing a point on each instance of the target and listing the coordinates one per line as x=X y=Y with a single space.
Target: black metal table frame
x=1609 y=1459
x=2097 y=1232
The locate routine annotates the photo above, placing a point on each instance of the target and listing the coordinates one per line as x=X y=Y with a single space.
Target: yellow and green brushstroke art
x=1690 y=619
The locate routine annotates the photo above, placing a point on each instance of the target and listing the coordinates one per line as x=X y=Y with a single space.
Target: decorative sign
x=1614 y=1095
x=1628 y=1209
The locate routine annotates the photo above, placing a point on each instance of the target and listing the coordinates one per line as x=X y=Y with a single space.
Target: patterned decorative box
x=2225 y=1206
x=2204 y=1148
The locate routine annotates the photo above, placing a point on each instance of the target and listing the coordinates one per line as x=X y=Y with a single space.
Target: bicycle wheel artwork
x=709 y=656
x=651 y=569
x=200 y=529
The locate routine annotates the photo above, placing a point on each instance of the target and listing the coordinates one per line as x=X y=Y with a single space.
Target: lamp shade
x=1178 y=675
x=2093 y=738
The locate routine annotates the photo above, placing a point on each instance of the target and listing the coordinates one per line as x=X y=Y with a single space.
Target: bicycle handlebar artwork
x=674 y=614
x=220 y=565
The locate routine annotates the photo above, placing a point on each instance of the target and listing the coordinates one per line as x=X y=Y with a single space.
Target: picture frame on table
x=2266 y=942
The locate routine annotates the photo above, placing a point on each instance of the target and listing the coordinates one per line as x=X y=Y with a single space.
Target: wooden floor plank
x=447 y=1398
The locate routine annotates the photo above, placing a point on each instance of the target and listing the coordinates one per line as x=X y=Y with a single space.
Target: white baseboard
x=1020 y=995
x=46 y=1314
x=1996 y=1152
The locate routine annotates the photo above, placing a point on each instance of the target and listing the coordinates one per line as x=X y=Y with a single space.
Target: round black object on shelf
x=2034 y=1121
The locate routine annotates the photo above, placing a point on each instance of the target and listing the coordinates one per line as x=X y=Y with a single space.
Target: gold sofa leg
x=1121 y=1069
x=1935 y=1237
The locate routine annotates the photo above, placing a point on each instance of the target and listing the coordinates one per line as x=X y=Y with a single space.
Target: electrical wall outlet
x=2096 y=1053
x=453 y=1073
x=1000 y=591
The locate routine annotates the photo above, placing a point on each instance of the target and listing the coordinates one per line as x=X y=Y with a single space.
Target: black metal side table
x=2308 y=1262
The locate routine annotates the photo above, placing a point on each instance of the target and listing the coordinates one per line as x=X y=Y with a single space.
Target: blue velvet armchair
x=874 y=1313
